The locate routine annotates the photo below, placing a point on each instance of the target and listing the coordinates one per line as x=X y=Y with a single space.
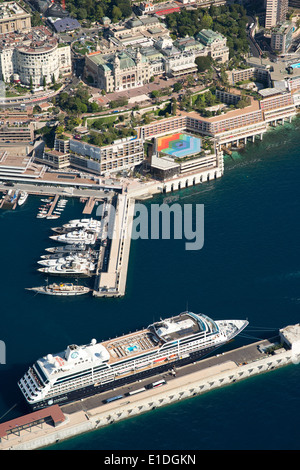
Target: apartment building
x=281 y=37
x=276 y=11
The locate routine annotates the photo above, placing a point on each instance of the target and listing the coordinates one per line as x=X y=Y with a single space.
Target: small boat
x=22 y=198
x=60 y=289
x=46 y=200
x=52 y=217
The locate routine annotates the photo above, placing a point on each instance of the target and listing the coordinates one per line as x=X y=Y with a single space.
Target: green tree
x=116 y=14
x=203 y=63
x=177 y=87
x=206 y=21
x=36 y=19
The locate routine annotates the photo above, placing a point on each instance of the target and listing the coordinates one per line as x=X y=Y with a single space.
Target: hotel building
x=123 y=154
x=234 y=125
x=33 y=57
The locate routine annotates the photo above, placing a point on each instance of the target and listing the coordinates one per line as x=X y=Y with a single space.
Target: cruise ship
x=82 y=371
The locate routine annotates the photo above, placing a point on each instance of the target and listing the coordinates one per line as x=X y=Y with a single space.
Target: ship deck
x=130 y=345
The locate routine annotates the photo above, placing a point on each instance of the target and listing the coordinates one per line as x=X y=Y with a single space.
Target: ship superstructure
x=82 y=371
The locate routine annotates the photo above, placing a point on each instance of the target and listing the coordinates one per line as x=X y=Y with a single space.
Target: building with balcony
x=54 y=159
x=281 y=37
x=34 y=57
x=276 y=11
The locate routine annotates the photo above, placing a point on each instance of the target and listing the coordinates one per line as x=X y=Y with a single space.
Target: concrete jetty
x=89 y=205
x=53 y=204
x=192 y=380
x=111 y=272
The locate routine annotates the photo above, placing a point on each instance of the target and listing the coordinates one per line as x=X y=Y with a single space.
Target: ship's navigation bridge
x=178 y=327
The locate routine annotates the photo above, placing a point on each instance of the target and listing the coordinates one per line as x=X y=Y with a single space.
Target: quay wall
x=180 y=388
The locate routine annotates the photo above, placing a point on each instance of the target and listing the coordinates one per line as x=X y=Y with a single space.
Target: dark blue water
x=249 y=267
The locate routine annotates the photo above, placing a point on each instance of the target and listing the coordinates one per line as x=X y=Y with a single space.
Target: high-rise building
x=294 y=3
x=276 y=11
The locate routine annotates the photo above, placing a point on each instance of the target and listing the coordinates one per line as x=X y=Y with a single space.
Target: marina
x=86 y=247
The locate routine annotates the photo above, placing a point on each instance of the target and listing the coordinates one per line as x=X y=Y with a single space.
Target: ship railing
x=36 y=378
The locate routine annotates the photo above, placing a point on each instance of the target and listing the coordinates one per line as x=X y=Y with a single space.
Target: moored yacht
x=22 y=197
x=72 y=269
x=67 y=248
x=80 y=236
x=66 y=289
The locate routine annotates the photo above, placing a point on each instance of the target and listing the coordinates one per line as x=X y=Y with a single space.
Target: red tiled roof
x=52 y=411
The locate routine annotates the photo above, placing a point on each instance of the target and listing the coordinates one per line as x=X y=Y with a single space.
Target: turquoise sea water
x=249 y=267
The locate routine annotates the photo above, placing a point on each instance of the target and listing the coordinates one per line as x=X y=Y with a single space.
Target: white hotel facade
x=33 y=57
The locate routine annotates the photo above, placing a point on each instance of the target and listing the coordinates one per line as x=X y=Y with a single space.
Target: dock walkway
x=89 y=205
x=55 y=200
x=112 y=282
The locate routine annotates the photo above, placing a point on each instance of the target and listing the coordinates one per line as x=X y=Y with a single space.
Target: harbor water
x=248 y=268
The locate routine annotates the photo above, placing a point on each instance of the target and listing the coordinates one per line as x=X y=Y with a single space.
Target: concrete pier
x=89 y=206
x=112 y=281
x=55 y=200
x=194 y=379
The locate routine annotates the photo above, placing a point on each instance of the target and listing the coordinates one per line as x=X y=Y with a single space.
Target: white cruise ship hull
x=83 y=371
x=86 y=392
